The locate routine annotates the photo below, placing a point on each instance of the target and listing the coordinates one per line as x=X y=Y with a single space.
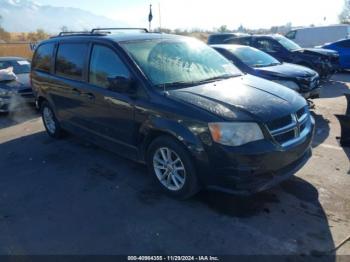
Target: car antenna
x=160 y=31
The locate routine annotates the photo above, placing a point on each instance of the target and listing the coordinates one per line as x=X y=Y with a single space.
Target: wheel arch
x=40 y=101
x=163 y=127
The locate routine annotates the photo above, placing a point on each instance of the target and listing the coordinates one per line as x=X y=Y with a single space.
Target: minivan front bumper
x=256 y=166
x=247 y=184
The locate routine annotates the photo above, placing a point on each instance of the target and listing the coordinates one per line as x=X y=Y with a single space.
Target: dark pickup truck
x=325 y=62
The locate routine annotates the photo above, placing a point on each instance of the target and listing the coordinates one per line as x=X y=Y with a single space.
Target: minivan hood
x=287 y=70
x=261 y=99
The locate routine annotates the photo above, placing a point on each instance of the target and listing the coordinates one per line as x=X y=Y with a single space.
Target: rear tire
x=171 y=166
x=52 y=126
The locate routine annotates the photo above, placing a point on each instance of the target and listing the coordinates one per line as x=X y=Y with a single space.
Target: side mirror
x=122 y=84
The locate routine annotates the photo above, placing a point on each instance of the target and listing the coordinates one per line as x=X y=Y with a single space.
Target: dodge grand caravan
x=175 y=104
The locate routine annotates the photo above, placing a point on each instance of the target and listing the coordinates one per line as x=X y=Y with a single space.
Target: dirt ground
x=69 y=197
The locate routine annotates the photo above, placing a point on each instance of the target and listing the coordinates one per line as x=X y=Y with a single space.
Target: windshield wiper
x=180 y=84
x=259 y=65
x=212 y=79
x=174 y=84
x=274 y=64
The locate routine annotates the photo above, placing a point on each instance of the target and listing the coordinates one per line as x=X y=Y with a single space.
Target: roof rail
x=96 y=31
x=73 y=33
x=93 y=31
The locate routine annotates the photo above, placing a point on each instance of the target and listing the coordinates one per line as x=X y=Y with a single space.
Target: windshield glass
x=179 y=62
x=19 y=66
x=288 y=44
x=253 y=57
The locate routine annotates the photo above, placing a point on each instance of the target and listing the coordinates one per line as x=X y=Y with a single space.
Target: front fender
x=187 y=133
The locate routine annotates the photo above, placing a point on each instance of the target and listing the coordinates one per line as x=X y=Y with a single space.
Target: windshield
x=253 y=57
x=19 y=66
x=179 y=62
x=288 y=44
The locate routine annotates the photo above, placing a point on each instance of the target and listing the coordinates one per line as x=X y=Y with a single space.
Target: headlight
x=289 y=84
x=235 y=133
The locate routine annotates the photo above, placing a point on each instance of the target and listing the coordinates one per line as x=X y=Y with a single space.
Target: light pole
x=150 y=17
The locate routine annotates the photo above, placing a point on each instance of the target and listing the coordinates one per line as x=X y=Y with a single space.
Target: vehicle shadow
x=347 y=153
x=83 y=200
x=13 y=118
x=336 y=86
x=291 y=213
x=344 y=137
x=322 y=129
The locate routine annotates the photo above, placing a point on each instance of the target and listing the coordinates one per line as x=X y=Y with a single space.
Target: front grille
x=302 y=127
x=281 y=138
x=280 y=122
x=289 y=129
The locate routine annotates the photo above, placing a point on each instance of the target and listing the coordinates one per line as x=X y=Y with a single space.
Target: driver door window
x=105 y=65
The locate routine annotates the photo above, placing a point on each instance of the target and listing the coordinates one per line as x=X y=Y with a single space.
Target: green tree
x=241 y=29
x=344 y=16
x=40 y=34
x=223 y=29
x=64 y=28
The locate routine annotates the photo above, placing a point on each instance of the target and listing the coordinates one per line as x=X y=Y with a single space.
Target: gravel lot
x=69 y=197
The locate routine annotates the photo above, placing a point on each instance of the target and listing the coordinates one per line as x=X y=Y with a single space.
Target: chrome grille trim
x=300 y=124
x=284 y=129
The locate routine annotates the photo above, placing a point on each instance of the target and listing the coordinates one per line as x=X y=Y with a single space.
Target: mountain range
x=27 y=16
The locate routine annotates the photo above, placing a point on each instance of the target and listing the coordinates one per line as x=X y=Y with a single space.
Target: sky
x=209 y=14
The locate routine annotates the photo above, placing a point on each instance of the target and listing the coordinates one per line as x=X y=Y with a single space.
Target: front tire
x=172 y=167
x=52 y=126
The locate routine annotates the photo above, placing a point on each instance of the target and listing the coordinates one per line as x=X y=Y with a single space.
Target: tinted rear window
x=238 y=41
x=70 y=60
x=219 y=39
x=43 y=57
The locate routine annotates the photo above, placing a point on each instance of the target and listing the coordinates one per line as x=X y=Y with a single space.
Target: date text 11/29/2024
x=173 y=258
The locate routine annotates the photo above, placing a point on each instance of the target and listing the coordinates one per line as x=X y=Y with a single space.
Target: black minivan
x=175 y=104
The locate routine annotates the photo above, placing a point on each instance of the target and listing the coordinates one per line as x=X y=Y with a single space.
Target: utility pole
x=160 y=18
x=150 y=17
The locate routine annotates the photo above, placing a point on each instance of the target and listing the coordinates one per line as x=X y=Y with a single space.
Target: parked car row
x=300 y=79
x=177 y=105
x=226 y=117
x=324 y=61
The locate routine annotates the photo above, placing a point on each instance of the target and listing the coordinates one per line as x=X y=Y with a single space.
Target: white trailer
x=318 y=35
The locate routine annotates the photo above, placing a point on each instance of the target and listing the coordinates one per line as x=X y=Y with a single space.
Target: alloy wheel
x=49 y=120
x=169 y=169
